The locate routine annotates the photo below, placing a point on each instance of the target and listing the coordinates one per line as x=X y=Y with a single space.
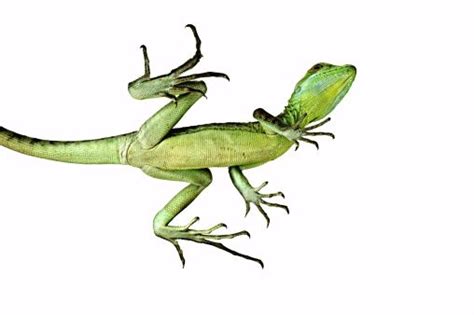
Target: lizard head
x=318 y=92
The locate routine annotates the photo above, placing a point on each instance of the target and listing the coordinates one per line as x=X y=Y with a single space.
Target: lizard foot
x=171 y=85
x=302 y=133
x=204 y=236
x=255 y=197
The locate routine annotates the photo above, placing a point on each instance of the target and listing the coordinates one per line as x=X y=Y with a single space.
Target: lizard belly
x=211 y=148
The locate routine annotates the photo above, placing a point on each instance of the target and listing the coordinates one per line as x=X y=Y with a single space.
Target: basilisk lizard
x=186 y=154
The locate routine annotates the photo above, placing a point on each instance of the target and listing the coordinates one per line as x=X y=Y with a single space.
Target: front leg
x=198 y=180
x=252 y=194
x=293 y=133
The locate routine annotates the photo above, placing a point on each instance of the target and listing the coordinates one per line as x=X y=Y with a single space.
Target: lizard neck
x=290 y=114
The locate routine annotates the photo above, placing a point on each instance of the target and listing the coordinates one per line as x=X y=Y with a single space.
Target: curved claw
x=310 y=141
x=183 y=88
x=276 y=205
x=193 y=220
x=208 y=74
x=190 y=63
x=180 y=251
x=196 y=36
x=247 y=208
x=329 y=134
x=265 y=183
x=215 y=227
x=225 y=236
x=297 y=145
x=146 y=62
x=265 y=215
x=230 y=251
x=184 y=227
x=318 y=124
x=273 y=195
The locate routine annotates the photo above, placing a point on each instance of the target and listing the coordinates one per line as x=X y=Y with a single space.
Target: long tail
x=97 y=151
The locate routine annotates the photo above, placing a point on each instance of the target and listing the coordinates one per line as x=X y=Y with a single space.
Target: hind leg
x=198 y=180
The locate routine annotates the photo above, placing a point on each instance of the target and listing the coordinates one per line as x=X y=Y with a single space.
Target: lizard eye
x=319 y=66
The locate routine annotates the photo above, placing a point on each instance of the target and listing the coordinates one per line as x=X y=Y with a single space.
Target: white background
x=382 y=218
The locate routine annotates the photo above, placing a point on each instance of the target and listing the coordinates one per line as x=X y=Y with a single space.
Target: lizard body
x=213 y=145
x=186 y=154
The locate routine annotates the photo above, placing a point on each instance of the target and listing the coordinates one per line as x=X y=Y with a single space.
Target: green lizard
x=186 y=154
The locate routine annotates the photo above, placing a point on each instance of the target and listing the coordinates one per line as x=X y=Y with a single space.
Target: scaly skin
x=213 y=145
x=186 y=154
